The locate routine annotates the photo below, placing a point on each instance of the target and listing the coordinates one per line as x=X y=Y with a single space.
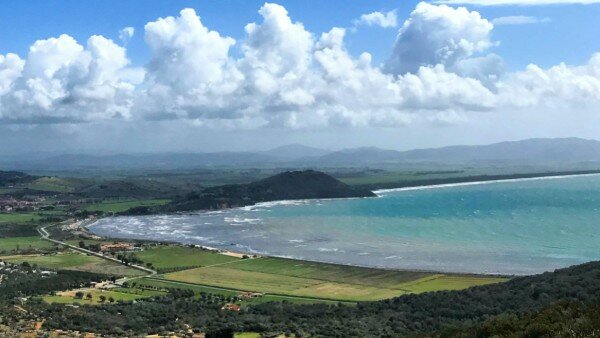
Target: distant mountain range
x=527 y=152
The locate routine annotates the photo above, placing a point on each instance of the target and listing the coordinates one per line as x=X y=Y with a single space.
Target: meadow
x=176 y=257
x=23 y=243
x=21 y=217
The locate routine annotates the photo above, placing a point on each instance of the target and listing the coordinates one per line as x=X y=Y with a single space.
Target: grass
x=18 y=217
x=80 y=262
x=325 y=281
x=120 y=205
x=449 y=282
x=247 y=335
x=118 y=294
x=23 y=243
x=179 y=257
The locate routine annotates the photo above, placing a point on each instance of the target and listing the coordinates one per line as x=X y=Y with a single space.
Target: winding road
x=46 y=236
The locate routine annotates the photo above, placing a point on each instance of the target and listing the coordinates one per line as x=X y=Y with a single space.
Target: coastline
x=379 y=193
x=491 y=181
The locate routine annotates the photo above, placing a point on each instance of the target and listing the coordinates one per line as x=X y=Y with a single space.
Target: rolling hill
x=526 y=152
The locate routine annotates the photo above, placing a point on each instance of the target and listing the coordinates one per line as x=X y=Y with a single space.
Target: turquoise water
x=518 y=227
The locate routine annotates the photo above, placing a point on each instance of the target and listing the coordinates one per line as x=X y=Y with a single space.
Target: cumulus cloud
x=518 y=20
x=384 y=20
x=442 y=69
x=126 y=34
x=516 y=2
x=287 y=77
x=63 y=81
x=561 y=86
x=190 y=73
x=438 y=35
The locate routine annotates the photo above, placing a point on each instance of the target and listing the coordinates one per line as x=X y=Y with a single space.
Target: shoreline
x=379 y=193
x=483 y=182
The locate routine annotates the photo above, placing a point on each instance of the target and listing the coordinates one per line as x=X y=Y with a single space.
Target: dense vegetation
x=25 y=283
x=14 y=177
x=561 y=319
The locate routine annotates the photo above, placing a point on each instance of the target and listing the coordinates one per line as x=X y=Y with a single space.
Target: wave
x=240 y=220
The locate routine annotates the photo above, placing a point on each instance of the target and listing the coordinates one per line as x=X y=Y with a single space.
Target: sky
x=155 y=76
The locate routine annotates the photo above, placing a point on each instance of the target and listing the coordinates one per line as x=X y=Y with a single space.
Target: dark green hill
x=15 y=177
x=290 y=185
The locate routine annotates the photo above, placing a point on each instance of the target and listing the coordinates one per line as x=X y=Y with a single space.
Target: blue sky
x=571 y=36
x=459 y=72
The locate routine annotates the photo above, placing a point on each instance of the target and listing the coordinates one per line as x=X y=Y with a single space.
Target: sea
x=511 y=227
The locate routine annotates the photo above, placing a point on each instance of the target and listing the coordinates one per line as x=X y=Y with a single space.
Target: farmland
x=175 y=257
x=324 y=281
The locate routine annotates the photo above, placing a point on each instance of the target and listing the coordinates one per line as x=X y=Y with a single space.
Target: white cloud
x=438 y=35
x=441 y=71
x=62 y=81
x=518 y=20
x=190 y=72
x=285 y=77
x=126 y=34
x=384 y=20
x=560 y=87
x=516 y=2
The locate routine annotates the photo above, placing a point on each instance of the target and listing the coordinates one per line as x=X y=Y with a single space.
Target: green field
x=173 y=258
x=19 y=217
x=23 y=243
x=247 y=335
x=118 y=294
x=198 y=289
x=120 y=205
x=325 y=281
x=80 y=262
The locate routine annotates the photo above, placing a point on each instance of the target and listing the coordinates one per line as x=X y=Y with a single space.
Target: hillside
x=15 y=177
x=290 y=185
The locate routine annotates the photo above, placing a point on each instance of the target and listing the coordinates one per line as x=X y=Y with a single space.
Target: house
x=231 y=307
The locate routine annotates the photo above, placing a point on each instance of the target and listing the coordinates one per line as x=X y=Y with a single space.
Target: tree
x=220 y=333
x=111 y=300
x=89 y=296
x=82 y=244
x=102 y=298
x=78 y=294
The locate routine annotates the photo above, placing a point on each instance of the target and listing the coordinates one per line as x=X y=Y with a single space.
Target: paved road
x=46 y=236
